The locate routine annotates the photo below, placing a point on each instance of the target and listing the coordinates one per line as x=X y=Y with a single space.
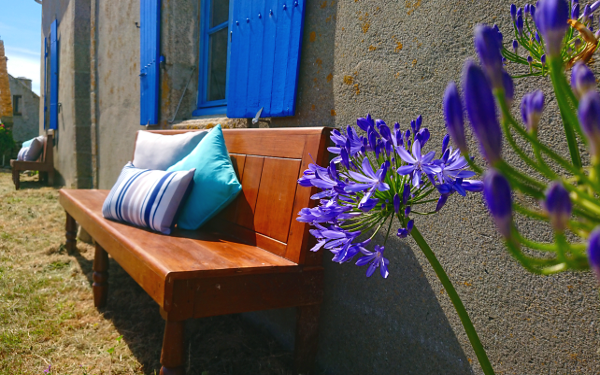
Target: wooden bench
x=44 y=165
x=253 y=256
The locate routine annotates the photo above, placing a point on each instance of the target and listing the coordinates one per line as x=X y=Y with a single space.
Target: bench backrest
x=47 y=155
x=268 y=163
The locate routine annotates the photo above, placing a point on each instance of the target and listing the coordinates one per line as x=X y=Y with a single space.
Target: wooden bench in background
x=44 y=165
x=253 y=256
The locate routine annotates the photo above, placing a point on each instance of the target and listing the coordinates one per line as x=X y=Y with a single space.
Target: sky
x=20 y=29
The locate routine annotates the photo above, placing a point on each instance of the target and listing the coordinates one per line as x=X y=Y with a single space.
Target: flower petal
x=405 y=169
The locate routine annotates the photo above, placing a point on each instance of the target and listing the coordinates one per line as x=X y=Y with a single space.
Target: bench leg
x=307 y=336
x=100 y=277
x=172 y=355
x=50 y=178
x=71 y=233
x=16 y=178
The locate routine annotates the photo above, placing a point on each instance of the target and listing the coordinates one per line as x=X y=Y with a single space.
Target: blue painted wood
x=271 y=17
x=149 y=61
x=282 y=48
x=54 y=76
x=264 y=65
x=45 y=83
x=206 y=107
x=293 y=58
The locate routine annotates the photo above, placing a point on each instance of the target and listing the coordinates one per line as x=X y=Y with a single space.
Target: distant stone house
x=19 y=105
x=26 y=109
x=112 y=67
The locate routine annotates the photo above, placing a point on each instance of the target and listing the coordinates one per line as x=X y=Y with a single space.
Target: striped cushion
x=147 y=198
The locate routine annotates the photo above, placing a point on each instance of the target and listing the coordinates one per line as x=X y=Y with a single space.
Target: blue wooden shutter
x=45 y=83
x=53 y=76
x=149 y=60
x=264 y=57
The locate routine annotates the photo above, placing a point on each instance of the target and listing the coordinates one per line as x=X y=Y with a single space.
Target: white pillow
x=33 y=151
x=147 y=198
x=159 y=152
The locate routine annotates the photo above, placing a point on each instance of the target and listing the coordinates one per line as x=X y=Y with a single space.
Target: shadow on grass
x=216 y=345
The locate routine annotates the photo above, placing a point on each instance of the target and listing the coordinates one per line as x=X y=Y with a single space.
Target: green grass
x=47 y=315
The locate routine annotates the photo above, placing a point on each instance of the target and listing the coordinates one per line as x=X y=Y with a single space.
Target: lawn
x=47 y=315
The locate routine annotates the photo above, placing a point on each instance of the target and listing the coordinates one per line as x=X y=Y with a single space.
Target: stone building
x=6 y=110
x=392 y=59
x=26 y=109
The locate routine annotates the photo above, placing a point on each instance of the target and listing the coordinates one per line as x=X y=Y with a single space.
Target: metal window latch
x=257 y=119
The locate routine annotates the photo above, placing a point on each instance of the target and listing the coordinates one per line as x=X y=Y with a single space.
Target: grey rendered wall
x=72 y=155
x=394 y=59
x=25 y=125
x=117 y=103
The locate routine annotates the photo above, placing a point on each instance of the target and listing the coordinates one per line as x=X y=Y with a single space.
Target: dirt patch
x=47 y=316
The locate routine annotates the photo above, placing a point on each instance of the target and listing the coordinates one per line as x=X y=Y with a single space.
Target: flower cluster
x=381 y=173
x=569 y=202
x=539 y=30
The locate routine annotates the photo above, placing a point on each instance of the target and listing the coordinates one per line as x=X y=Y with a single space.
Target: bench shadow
x=218 y=345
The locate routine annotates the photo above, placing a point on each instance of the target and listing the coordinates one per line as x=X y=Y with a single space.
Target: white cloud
x=24 y=63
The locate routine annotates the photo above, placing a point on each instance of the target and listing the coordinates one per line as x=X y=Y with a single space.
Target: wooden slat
x=278 y=184
x=230 y=212
x=299 y=237
x=250 y=185
x=242 y=293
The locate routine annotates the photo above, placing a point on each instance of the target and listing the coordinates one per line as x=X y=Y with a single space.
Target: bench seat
x=252 y=256
x=44 y=165
x=160 y=263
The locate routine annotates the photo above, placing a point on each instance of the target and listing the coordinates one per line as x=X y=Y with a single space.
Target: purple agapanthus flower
x=376 y=259
x=368 y=180
x=417 y=163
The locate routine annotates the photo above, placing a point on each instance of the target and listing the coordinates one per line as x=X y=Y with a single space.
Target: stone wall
x=392 y=59
x=26 y=123
x=72 y=154
x=5 y=98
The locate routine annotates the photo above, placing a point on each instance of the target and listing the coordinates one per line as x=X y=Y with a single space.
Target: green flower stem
x=569 y=120
x=456 y=301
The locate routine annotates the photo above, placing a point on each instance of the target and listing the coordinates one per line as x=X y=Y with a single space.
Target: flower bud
x=453 y=113
x=526 y=8
x=551 y=20
x=488 y=49
x=365 y=123
x=575 y=12
x=532 y=105
x=445 y=142
x=509 y=87
x=587 y=12
x=589 y=117
x=595 y=6
x=441 y=202
x=532 y=10
x=558 y=206
x=582 y=79
x=515 y=45
x=593 y=251
x=406 y=194
x=481 y=110
x=513 y=12
x=418 y=123
x=497 y=194
x=543 y=59
x=396 y=202
x=520 y=25
x=519 y=12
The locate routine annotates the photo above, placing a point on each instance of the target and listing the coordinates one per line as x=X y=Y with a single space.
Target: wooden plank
x=236 y=294
x=231 y=211
x=275 y=201
x=265 y=88
x=281 y=52
x=249 y=236
x=250 y=187
x=299 y=237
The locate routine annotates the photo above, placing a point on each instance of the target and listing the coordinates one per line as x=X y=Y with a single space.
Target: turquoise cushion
x=215 y=182
x=28 y=143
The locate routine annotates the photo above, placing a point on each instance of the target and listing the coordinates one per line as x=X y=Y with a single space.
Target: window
x=16 y=105
x=214 y=41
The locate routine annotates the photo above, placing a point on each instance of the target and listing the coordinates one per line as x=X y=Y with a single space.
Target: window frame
x=213 y=107
x=17 y=100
